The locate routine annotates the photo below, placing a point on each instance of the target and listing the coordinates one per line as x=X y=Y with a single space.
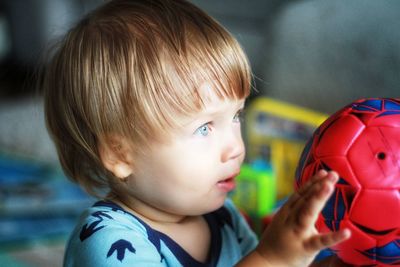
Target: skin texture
x=184 y=175
x=190 y=174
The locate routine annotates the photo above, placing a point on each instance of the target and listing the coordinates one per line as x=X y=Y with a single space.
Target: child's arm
x=292 y=239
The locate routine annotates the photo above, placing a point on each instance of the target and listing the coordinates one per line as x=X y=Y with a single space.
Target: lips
x=227 y=185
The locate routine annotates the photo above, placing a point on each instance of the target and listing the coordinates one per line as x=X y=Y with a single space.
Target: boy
x=143 y=100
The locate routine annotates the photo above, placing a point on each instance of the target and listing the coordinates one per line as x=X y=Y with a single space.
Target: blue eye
x=238 y=116
x=204 y=130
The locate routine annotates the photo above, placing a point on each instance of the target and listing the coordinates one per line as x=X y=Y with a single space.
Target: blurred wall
x=323 y=54
x=34 y=23
x=27 y=29
x=316 y=53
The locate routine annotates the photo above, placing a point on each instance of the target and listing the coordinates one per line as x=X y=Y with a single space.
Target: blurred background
x=314 y=55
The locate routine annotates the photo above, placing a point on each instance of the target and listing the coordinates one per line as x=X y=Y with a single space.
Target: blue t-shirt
x=107 y=235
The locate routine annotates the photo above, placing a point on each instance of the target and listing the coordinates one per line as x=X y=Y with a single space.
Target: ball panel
x=343 y=167
x=350 y=251
x=369 y=105
x=383 y=119
x=303 y=168
x=382 y=206
x=386 y=254
x=392 y=104
x=377 y=111
x=336 y=209
x=375 y=159
x=336 y=139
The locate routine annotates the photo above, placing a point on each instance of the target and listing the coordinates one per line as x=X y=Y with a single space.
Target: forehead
x=214 y=103
x=213 y=106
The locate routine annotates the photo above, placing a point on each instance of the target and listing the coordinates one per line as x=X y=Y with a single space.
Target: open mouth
x=227 y=185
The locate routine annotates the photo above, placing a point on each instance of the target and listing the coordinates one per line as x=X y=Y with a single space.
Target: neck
x=192 y=233
x=148 y=213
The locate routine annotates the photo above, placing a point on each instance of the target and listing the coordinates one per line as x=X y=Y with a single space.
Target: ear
x=116 y=153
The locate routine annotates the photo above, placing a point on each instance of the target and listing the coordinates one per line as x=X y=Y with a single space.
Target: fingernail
x=333 y=176
x=346 y=233
x=323 y=172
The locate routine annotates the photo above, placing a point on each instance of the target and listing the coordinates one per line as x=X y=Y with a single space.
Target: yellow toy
x=276 y=133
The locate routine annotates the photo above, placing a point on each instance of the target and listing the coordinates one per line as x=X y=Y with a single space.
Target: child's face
x=192 y=173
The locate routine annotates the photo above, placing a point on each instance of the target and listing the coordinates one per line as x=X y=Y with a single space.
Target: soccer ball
x=362 y=143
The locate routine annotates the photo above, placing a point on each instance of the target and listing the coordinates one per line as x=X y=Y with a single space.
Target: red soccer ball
x=362 y=143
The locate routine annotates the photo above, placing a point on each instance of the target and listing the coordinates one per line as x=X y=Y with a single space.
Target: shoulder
x=246 y=238
x=106 y=234
x=106 y=219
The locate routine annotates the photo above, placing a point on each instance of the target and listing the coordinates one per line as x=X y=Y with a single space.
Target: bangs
x=160 y=69
x=221 y=64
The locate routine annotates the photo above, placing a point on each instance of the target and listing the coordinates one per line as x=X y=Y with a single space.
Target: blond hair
x=131 y=67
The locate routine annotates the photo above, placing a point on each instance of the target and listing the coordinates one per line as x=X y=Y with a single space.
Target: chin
x=216 y=204
x=205 y=207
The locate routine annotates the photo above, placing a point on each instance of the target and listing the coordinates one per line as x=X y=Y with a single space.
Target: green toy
x=255 y=193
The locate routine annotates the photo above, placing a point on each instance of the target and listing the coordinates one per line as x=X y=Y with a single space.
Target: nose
x=232 y=145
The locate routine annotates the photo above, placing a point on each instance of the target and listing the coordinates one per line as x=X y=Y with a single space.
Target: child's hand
x=292 y=239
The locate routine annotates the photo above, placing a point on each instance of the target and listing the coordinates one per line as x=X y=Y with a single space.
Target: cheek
x=195 y=175
x=190 y=163
x=199 y=159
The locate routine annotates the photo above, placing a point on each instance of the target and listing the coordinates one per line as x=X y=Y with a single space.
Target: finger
x=306 y=210
x=320 y=174
x=299 y=209
x=321 y=241
x=307 y=186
